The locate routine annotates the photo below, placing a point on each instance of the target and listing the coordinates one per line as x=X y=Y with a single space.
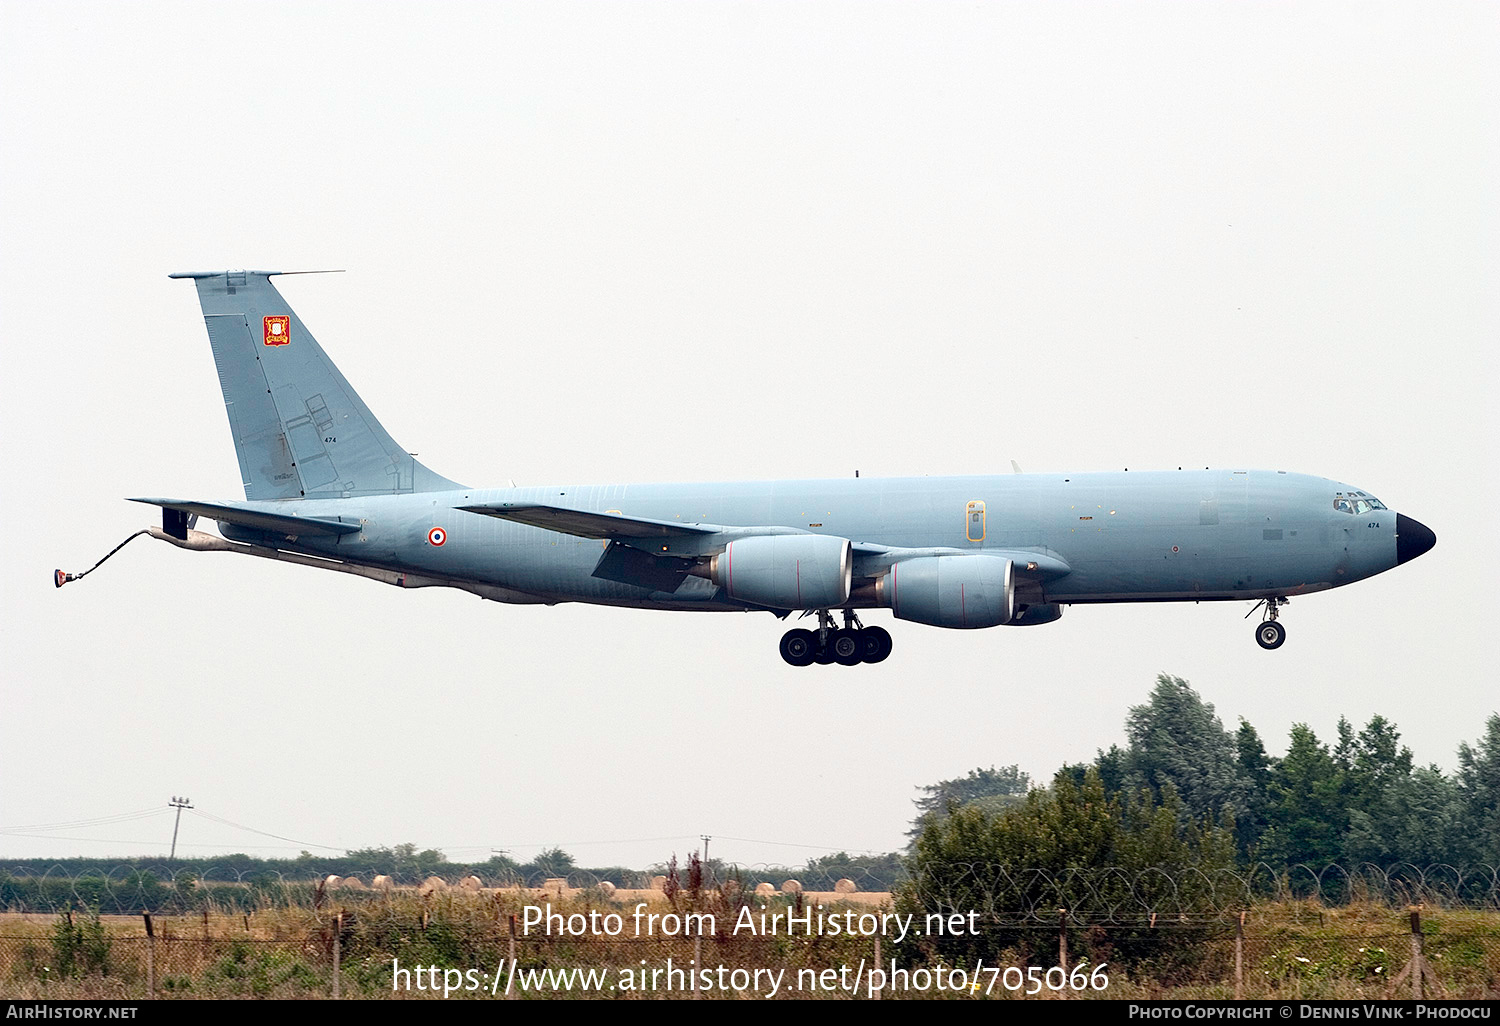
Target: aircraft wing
x=1044 y=565
x=871 y=560
x=582 y=524
x=256 y=519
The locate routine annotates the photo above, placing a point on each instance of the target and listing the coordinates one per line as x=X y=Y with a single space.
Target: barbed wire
x=1000 y=893
x=1156 y=896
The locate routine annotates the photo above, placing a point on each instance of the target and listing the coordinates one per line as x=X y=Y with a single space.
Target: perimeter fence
x=1002 y=893
x=957 y=930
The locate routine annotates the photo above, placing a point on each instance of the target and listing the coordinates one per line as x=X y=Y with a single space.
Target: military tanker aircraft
x=326 y=486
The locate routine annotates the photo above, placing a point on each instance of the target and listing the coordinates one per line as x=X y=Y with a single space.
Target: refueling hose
x=59 y=578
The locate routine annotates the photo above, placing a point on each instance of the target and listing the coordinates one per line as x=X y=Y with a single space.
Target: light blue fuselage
x=1126 y=536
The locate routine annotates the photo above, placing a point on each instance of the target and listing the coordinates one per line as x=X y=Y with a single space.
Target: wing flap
x=624 y=564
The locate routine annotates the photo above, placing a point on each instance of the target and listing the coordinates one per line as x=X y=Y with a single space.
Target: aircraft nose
x=1412 y=539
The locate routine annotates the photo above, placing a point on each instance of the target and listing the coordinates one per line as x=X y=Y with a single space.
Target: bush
x=80 y=948
x=1115 y=864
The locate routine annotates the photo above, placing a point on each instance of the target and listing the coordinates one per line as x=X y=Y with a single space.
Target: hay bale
x=470 y=883
x=764 y=890
x=432 y=885
x=845 y=886
x=382 y=883
x=607 y=889
x=658 y=883
x=352 y=883
x=555 y=883
x=791 y=887
x=330 y=882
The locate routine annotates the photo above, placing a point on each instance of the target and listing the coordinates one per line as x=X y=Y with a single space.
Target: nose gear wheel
x=1269 y=633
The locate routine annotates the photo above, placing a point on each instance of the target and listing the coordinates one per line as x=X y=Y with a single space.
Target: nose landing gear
x=1269 y=633
x=848 y=646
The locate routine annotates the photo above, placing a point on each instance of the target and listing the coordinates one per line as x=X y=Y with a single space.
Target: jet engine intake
x=786 y=571
x=951 y=591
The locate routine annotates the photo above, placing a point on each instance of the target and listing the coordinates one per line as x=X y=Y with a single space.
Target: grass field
x=1288 y=950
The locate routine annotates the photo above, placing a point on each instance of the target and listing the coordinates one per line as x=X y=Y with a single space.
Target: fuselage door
x=974 y=521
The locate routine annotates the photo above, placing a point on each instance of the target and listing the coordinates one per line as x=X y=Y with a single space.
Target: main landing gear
x=1269 y=633
x=849 y=645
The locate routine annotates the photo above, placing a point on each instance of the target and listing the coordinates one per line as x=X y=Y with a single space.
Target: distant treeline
x=240 y=880
x=404 y=863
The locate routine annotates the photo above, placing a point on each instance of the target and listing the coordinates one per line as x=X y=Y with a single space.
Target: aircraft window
x=1349 y=504
x=1343 y=505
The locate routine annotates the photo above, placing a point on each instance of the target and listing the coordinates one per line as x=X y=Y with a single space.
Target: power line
x=42 y=831
x=102 y=840
x=79 y=824
x=791 y=844
x=263 y=833
x=570 y=844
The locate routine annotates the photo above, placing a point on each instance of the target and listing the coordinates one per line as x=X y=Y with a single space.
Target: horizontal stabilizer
x=582 y=524
x=257 y=519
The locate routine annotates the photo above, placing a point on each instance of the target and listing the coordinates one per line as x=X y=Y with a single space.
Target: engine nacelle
x=786 y=571
x=1040 y=612
x=951 y=591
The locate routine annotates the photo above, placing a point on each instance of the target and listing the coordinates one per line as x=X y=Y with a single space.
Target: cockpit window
x=1356 y=502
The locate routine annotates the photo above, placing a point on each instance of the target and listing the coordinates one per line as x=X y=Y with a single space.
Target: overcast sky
x=595 y=243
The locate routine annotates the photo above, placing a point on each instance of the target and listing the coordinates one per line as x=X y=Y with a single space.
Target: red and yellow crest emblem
x=278 y=330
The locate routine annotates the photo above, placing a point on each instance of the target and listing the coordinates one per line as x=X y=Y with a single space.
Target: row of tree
x=404 y=863
x=1361 y=800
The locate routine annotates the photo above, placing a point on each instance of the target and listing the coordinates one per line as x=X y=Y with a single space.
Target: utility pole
x=706 y=838
x=179 y=804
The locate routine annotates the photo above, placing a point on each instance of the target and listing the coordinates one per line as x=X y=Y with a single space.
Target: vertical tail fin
x=299 y=430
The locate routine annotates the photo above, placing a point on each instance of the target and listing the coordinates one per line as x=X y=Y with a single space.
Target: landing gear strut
x=849 y=645
x=1269 y=633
